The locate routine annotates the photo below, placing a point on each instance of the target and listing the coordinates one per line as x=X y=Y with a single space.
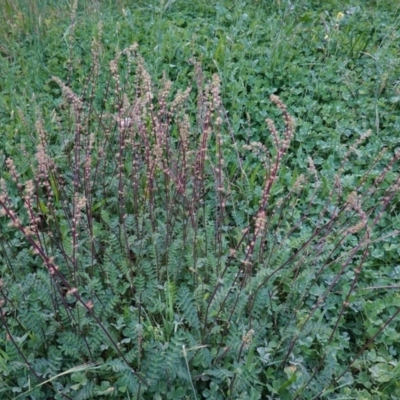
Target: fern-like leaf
x=187 y=306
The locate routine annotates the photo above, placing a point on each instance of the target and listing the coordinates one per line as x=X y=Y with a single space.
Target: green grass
x=179 y=288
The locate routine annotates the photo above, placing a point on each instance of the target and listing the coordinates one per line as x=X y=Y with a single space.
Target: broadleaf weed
x=147 y=239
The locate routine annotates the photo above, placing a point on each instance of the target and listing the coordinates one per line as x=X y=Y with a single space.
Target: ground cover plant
x=199 y=201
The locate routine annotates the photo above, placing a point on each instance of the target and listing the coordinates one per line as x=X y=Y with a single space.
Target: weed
x=154 y=250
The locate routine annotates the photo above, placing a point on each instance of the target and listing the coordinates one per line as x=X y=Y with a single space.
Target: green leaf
x=381 y=372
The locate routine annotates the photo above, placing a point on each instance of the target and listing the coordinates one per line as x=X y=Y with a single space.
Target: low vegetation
x=199 y=200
